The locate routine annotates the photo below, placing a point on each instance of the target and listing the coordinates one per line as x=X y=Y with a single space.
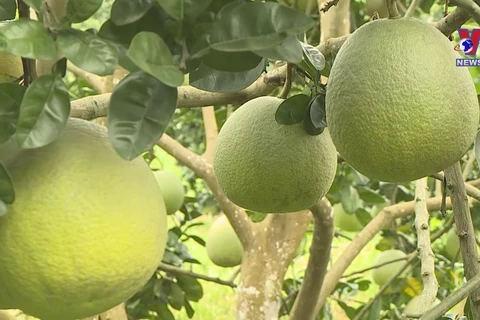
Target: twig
x=373 y=267
x=470 y=6
x=385 y=217
x=392 y=9
x=211 y=132
x=454 y=298
x=288 y=82
x=304 y=306
x=181 y=271
x=453 y=21
x=427 y=258
x=465 y=230
x=411 y=9
x=471 y=190
x=385 y=286
x=29 y=66
x=328 y=5
x=94 y=80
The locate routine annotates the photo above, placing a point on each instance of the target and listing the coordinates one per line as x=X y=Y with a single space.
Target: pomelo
x=172 y=190
x=223 y=246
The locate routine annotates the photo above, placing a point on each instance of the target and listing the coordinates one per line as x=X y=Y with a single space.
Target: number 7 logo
x=468 y=41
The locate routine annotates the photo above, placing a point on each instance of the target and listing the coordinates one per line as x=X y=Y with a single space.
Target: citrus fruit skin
x=223 y=246
x=398 y=108
x=87 y=229
x=172 y=190
x=345 y=221
x=384 y=273
x=271 y=168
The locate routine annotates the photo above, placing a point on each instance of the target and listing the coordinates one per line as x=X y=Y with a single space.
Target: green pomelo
x=87 y=229
x=172 y=190
x=345 y=221
x=271 y=168
x=223 y=246
x=398 y=108
x=412 y=306
x=384 y=273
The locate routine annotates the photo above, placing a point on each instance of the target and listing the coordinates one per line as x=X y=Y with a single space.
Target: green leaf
x=11 y=96
x=318 y=115
x=231 y=61
x=198 y=240
x=374 y=311
x=369 y=195
x=27 y=38
x=35 y=4
x=7 y=193
x=363 y=216
x=188 y=309
x=426 y=5
x=192 y=288
x=150 y=53
x=277 y=23
x=290 y=50
x=43 y=113
x=88 y=52
x=314 y=56
x=127 y=11
x=139 y=112
x=292 y=110
x=163 y=312
x=180 y=9
x=7 y=9
x=308 y=125
x=208 y=79
x=80 y=10
x=176 y=297
x=350 y=199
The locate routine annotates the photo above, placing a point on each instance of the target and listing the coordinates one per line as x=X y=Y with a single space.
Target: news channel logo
x=468 y=45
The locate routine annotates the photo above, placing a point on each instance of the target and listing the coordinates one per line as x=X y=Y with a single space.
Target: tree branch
x=454 y=298
x=385 y=286
x=411 y=9
x=288 y=82
x=470 y=6
x=211 y=132
x=469 y=186
x=304 y=306
x=385 y=217
x=465 y=230
x=453 y=21
x=392 y=9
x=427 y=258
x=181 y=271
x=94 y=80
x=236 y=215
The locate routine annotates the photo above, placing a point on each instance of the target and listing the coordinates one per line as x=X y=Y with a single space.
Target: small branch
x=453 y=21
x=236 y=215
x=470 y=6
x=465 y=230
x=94 y=80
x=469 y=187
x=184 y=272
x=373 y=267
x=288 y=82
x=328 y=5
x=385 y=286
x=304 y=306
x=454 y=298
x=385 y=217
x=211 y=132
x=427 y=257
x=90 y=107
x=29 y=66
x=392 y=9
x=411 y=9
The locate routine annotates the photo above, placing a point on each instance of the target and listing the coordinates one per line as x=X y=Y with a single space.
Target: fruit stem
x=393 y=10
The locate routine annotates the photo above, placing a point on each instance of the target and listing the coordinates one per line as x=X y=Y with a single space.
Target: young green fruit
x=267 y=167
x=172 y=190
x=382 y=274
x=223 y=246
x=398 y=108
x=87 y=229
x=345 y=221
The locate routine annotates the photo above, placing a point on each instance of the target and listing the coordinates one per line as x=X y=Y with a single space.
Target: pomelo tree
x=366 y=112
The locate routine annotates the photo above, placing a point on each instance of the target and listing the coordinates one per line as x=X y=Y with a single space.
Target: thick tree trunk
x=276 y=240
